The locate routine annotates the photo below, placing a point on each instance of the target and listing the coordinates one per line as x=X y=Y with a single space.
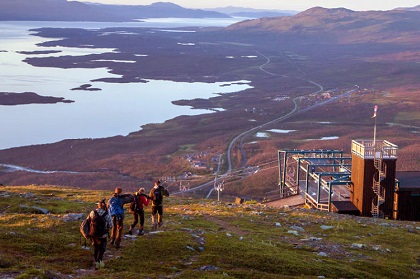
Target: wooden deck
x=289 y=201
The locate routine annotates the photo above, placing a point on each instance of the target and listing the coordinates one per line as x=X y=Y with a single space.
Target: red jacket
x=142 y=201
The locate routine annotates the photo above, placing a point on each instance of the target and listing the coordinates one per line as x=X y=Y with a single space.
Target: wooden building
x=407 y=196
x=373 y=177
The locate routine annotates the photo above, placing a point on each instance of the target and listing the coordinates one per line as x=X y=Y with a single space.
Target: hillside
x=416 y=8
x=157 y=10
x=47 y=10
x=252 y=13
x=341 y=25
x=300 y=68
x=63 y=10
x=201 y=239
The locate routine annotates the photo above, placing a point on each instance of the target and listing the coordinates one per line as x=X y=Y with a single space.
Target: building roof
x=409 y=179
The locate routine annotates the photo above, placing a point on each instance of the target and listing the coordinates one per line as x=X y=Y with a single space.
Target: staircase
x=379 y=199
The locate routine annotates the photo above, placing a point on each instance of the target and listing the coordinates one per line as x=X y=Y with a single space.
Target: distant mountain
x=63 y=10
x=414 y=9
x=342 y=24
x=52 y=10
x=259 y=14
x=156 y=10
x=252 y=13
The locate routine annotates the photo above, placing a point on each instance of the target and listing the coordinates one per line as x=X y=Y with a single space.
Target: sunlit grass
x=204 y=239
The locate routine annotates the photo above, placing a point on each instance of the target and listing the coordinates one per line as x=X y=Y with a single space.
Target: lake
x=118 y=109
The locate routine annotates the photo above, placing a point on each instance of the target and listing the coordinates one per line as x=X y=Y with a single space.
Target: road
x=246 y=133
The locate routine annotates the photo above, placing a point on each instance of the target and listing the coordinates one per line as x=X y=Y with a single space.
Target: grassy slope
x=203 y=239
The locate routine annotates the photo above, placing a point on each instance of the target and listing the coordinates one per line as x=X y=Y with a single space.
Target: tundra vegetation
x=284 y=59
x=201 y=239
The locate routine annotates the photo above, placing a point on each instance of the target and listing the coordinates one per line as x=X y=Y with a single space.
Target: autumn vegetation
x=200 y=239
x=290 y=61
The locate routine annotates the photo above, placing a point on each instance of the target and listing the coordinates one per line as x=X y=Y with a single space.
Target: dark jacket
x=152 y=195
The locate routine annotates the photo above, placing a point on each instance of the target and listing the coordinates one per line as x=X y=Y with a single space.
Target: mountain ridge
x=63 y=10
x=251 y=12
x=348 y=25
x=416 y=8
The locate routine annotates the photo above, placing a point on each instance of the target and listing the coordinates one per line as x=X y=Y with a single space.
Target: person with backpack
x=157 y=193
x=136 y=208
x=100 y=223
x=116 y=210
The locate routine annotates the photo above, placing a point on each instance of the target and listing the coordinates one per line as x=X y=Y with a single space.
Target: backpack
x=97 y=226
x=134 y=204
x=157 y=196
x=116 y=206
x=84 y=228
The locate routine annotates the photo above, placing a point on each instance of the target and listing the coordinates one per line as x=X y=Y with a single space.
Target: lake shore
x=278 y=69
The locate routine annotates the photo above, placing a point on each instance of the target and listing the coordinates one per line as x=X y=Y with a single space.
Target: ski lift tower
x=219 y=187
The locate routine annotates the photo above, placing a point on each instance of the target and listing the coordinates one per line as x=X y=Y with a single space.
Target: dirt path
x=225 y=225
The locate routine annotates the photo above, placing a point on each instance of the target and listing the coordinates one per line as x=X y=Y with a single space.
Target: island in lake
x=25 y=98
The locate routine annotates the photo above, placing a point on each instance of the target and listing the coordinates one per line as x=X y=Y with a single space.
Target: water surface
x=117 y=109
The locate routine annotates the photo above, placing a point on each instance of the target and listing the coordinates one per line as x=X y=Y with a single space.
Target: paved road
x=244 y=134
x=260 y=127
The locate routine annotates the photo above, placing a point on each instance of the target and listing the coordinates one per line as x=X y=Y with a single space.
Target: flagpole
x=374 y=130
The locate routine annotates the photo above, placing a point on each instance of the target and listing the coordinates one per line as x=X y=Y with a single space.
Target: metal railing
x=281 y=193
x=367 y=149
x=314 y=204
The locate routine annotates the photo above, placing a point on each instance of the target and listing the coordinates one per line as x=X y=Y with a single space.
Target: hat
x=118 y=190
x=141 y=190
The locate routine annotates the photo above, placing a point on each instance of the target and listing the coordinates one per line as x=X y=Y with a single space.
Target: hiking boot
x=130 y=232
x=141 y=232
x=97 y=265
x=112 y=241
x=101 y=264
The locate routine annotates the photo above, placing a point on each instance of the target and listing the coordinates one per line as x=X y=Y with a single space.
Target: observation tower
x=373 y=174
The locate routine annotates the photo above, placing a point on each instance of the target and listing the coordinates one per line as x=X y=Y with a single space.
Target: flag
x=375 y=108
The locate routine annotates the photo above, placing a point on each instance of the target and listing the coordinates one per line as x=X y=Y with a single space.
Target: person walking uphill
x=157 y=193
x=116 y=209
x=136 y=208
x=100 y=224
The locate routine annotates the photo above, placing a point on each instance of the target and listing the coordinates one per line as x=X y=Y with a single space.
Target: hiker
x=116 y=209
x=100 y=224
x=157 y=193
x=136 y=208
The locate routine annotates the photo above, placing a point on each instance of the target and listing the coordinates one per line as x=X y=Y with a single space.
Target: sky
x=296 y=5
